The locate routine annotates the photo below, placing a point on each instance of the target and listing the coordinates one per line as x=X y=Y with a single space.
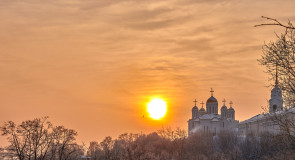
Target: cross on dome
x=211 y=92
x=224 y=101
x=202 y=104
x=195 y=102
x=231 y=103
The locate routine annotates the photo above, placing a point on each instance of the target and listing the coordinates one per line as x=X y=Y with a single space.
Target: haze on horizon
x=93 y=65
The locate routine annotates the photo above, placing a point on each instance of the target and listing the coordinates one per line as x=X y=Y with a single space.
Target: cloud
x=96 y=58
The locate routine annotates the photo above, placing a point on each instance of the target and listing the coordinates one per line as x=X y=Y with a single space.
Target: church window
x=223 y=124
x=274 y=107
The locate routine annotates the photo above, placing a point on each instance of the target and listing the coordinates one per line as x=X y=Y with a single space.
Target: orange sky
x=93 y=65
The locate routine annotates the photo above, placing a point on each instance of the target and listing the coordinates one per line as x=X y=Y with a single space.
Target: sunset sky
x=92 y=65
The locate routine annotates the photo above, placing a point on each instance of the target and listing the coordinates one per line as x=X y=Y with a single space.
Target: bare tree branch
x=275 y=23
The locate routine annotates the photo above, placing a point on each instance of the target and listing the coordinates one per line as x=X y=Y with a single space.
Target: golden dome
x=211 y=100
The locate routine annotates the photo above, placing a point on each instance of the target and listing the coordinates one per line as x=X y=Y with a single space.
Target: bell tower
x=276 y=100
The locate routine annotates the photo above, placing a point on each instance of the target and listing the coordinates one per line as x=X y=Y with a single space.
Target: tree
x=107 y=145
x=129 y=146
x=199 y=145
x=29 y=140
x=94 y=150
x=279 y=58
x=38 y=139
x=168 y=133
x=64 y=143
x=275 y=22
x=286 y=122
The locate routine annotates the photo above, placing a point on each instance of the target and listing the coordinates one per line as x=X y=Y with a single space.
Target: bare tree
x=169 y=133
x=279 y=58
x=94 y=150
x=275 y=22
x=129 y=146
x=286 y=122
x=64 y=143
x=29 y=140
x=199 y=145
x=38 y=139
x=107 y=146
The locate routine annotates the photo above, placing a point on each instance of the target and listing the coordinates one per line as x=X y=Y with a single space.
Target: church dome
x=195 y=108
x=202 y=110
x=231 y=108
x=211 y=100
x=224 y=107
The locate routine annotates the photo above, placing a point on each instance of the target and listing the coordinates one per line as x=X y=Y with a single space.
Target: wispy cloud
x=89 y=57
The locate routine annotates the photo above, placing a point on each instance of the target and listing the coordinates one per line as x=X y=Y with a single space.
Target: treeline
x=39 y=139
x=199 y=146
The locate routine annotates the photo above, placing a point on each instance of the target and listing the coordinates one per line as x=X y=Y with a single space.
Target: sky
x=93 y=65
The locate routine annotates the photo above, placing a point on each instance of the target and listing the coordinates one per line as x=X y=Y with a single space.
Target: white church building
x=209 y=121
x=268 y=122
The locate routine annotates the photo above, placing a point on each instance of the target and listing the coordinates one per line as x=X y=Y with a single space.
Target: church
x=267 y=122
x=209 y=121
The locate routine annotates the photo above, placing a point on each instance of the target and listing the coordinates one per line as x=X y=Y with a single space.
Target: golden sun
x=157 y=108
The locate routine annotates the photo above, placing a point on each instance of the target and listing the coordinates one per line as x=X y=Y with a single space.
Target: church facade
x=209 y=121
x=266 y=122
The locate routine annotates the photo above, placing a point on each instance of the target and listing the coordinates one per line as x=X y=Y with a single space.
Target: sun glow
x=157 y=108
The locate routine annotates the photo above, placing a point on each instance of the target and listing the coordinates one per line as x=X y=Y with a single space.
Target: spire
x=195 y=102
x=276 y=83
x=224 y=101
x=211 y=92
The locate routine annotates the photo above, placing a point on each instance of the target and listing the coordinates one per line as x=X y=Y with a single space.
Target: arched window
x=274 y=107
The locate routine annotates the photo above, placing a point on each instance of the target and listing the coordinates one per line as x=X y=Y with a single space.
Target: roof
x=215 y=119
x=202 y=109
x=262 y=116
x=197 y=119
x=224 y=107
x=231 y=108
x=211 y=100
x=209 y=116
x=195 y=107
